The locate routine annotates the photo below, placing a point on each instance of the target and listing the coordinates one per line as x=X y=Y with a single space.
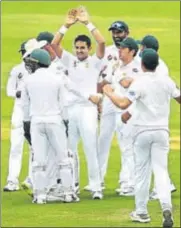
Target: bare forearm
x=100 y=50
x=59 y=37
x=118 y=101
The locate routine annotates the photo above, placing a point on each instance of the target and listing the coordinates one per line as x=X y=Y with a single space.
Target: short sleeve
x=67 y=58
x=134 y=92
x=173 y=88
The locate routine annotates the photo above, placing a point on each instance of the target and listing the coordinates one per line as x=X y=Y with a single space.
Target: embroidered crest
x=109 y=57
x=66 y=72
x=20 y=75
x=135 y=70
x=132 y=93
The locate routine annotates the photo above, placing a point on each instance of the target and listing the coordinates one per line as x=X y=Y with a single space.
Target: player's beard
x=117 y=40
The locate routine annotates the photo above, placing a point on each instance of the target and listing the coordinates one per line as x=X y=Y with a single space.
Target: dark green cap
x=150 y=41
x=22 y=47
x=41 y=56
x=45 y=36
x=150 y=58
x=128 y=43
x=120 y=26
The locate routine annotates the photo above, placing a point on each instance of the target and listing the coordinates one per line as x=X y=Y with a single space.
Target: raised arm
x=83 y=17
x=69 y=21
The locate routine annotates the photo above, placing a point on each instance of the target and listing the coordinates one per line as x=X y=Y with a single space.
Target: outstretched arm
x=83 y=17
x=120 y=102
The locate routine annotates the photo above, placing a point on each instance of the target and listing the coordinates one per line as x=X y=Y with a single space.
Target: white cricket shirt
x=43 y=96
x=152 y=94
x=83 y=74
x=16 y=80
x=131 y=70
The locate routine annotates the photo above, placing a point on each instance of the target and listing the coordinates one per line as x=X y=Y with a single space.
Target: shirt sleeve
x=25 y=103
x=135 y=91
x=12 y=84
x=67 y=58
x=173 y=88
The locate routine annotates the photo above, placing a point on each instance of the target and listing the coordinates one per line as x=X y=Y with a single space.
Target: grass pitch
x=24 y=20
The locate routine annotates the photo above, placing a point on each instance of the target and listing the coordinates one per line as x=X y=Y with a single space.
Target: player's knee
x=36 y=166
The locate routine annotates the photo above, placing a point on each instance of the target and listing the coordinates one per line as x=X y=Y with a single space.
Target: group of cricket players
x=58 y=98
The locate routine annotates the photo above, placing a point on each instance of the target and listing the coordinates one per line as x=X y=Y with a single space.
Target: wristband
x=63 y=30
x=90 y=26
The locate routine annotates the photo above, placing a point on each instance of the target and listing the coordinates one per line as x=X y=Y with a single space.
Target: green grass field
x=21 y=21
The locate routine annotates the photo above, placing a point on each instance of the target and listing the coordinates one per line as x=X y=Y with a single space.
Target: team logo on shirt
x=132 y=93
x=66 y=72
x=135 y=70
x=20 y=75
x=109 y=57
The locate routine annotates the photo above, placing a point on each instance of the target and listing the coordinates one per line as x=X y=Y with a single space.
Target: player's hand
x=82 y=15
x=71 y=18
x=125 y=117
x=107 y=89
x=96 y=99
x=18 y=94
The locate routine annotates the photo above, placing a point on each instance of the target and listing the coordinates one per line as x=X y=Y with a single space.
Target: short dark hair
x=83 y=38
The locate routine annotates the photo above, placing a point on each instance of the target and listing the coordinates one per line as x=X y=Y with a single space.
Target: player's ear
x=90 y=48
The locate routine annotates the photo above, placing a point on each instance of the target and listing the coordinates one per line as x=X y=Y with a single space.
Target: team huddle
x=58 y=98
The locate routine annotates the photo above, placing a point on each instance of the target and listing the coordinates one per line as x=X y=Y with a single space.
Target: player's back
x=154 y=102
x=44 y=91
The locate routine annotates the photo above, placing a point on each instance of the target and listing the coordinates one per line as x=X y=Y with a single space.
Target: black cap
x=129 y=43
x=150 y=58
x=150 y=41
x=22 y=47
x=45 y=36
x=120 y=26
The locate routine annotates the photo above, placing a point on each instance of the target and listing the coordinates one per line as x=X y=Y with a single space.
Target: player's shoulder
x=136 y=66
x=19 y=68
x=111 y=49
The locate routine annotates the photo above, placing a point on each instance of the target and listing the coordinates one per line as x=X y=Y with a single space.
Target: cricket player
x=152 y=95
x=150 y=41
x=123 y=76
x=14 y=87
x=42 y=102
x=56 y=67
x=120 y=31
x=83 y=70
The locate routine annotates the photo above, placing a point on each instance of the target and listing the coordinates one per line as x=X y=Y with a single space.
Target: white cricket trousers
x=16 y=150
x=45 y=135
x=125 y=140
x=83 y=124
x=151 y=152
x=110 y=124
x=107 y=130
